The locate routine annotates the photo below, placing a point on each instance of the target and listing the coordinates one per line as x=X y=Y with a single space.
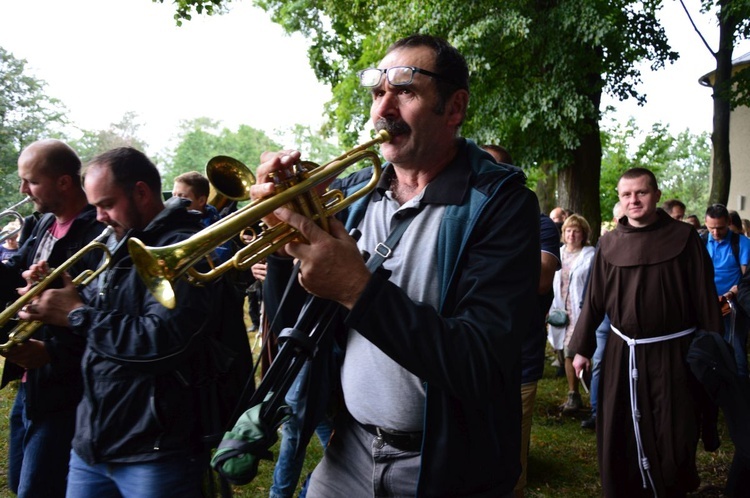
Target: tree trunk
x=578 y=184
x=721 y=174
x=545 y=188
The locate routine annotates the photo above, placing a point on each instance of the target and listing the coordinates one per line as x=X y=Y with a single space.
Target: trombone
x=159 y=267
x=13 y=211
x=25 y=329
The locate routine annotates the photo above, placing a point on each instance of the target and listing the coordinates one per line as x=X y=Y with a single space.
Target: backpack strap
x=734 y=240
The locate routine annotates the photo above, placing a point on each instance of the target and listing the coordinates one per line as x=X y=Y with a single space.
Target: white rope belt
x=643 y=463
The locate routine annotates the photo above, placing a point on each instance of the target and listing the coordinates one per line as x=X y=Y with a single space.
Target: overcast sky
x=103 y=58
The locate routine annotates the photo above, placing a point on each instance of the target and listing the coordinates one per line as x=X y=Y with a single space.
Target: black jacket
x=144 y=364
x=57 y=385
x=468 y=351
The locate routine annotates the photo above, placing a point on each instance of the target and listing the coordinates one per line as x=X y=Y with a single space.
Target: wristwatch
x=78 y=317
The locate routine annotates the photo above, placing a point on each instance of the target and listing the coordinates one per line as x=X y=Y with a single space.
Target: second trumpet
x=25 y=329
x=159 y=267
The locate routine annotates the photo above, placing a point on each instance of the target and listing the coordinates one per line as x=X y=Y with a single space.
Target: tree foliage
x=313 y=146
x=184 y=8
x=538 y=68
x=27 y=114
x=681 y=163
x=202 y=138
x=121 y=134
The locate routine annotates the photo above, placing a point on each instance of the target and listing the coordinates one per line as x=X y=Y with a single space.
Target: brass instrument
x=229 y=179
x=159 y=267
x=13 y=211
x=25 y=329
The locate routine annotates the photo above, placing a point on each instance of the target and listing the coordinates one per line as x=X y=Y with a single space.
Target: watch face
x=76 y=317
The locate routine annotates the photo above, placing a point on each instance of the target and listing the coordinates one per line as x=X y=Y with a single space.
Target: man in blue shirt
x=729 y=265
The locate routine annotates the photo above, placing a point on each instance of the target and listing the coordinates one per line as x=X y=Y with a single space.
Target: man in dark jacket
x=431 y=373
x=43 y=416
x=139 y=425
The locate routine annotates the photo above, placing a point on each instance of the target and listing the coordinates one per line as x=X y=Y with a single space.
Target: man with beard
x=43 y=417
x=430 y=377
x=141 y=423
x=652 y=278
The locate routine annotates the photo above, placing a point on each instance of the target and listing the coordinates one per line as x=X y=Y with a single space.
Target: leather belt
x=404 y=441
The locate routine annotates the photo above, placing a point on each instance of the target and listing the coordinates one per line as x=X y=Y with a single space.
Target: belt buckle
x=379 y=441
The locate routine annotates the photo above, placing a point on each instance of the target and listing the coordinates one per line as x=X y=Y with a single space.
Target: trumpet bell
x=230 y=178
x=152 y=268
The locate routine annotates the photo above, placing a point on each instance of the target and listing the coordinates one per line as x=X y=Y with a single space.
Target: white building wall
x=739 y=150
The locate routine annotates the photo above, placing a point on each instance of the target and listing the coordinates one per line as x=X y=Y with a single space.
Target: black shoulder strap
x=384 y=249
x=734 y=240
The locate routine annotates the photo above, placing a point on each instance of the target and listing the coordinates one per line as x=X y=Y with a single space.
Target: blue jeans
x=288 y=468
x=738 y=340
x=38 y=450
x=602 y=332
x=177 y=477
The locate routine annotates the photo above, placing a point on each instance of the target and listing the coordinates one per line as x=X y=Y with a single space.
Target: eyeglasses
x=396 y=75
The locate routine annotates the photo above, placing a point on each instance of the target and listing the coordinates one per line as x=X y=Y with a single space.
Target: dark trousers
x=39 y=451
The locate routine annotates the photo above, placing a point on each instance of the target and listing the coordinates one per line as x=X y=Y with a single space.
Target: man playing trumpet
x=43 y=416
x=431 y=374
x=141 y=424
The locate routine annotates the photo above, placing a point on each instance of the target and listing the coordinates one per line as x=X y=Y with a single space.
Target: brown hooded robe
x=651 y=281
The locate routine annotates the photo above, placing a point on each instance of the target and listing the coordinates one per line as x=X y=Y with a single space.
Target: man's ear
x=64 y=182
x=141 y=191
x=458 y=103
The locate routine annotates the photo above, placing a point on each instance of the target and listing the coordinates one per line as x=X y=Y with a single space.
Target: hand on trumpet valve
x=272 y=163
x=53 y=305
x=331 y=266
x=35 y=274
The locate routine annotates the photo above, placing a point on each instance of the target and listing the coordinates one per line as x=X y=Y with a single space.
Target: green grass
x=562 y=460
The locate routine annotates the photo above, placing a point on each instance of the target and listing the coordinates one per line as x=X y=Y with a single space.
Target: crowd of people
x=426 y=383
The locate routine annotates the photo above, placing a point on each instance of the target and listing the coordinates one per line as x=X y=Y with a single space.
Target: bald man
x=42 y=420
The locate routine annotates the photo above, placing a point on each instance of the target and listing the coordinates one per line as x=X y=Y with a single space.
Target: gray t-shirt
x=377 y=390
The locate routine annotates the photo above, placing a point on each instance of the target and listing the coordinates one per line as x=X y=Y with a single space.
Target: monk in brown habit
x=653 y=278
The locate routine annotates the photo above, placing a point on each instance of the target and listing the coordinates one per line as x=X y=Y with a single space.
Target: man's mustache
x=393 y=127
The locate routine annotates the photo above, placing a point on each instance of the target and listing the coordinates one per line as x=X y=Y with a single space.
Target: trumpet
x=160 y=267
x=25 y=329
x=13 y=211
x=229 y=181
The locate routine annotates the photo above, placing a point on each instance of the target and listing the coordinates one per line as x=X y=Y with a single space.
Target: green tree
x=27 y=114
x=538 y=68
x=202 y=138
x=681 y=163
x=730 y=89
x=121 y=134
x=184 y=8
x=686 y=176
x=313 y=146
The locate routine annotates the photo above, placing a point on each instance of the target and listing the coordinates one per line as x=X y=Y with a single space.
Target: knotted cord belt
x=643 y=463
